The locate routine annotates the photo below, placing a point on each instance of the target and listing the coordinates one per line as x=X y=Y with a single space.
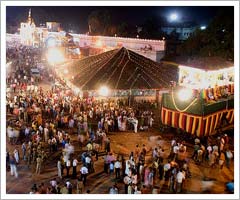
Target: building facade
x=183 y=32
x=39 y=36
x=27 y=31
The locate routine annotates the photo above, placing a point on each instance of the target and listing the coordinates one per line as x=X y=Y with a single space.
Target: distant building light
x=223 y=30
x=203 y=27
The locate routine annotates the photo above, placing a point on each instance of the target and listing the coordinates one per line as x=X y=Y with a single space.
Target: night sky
x=78 y=15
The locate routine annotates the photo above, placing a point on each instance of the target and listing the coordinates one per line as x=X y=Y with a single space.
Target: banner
x=196 y=124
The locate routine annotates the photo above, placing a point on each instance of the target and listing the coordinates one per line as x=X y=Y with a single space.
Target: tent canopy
x=120 y=69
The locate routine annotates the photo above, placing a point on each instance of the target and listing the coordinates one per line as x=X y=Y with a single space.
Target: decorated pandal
x=209 y=106
x=196 y=78
x=195 y=116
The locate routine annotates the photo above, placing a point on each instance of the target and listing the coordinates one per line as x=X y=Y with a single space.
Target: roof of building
x=121 y=69
x=206 y=63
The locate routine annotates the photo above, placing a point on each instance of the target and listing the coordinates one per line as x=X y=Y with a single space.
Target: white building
x=27 y=31
x=37 y=36
x=30 y=35
x=153 y=49
x=53 y=26
x=183 y=32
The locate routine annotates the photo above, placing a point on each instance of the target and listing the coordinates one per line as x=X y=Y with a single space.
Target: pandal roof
x=121 y=69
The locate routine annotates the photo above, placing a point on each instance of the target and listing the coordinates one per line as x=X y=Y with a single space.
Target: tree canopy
x=99 y=22
x=216 y=40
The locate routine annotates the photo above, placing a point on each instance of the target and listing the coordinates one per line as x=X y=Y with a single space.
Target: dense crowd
x=45 y=121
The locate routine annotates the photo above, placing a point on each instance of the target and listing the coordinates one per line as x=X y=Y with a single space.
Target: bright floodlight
x=51 y=42
x=55 y=56
x=103 y=91
x=173 y=17
x=203 y=27
x=184 y=94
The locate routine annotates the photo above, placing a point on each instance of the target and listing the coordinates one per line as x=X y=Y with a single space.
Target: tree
x=99 y=22
x=216 y=40
x=125 y=29
x=150 y=29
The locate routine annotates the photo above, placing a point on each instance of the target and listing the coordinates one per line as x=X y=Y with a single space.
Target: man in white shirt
x=84 y=172
x=175 y=152
x=68 y=165
x=117 y=166
x=74 y=164
x=88 y=161
x=179 y=179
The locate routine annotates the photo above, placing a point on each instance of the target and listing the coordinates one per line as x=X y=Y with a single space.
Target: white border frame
x=120 y=3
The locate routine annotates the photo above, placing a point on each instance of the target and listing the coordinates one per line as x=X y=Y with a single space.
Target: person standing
x=74 y=164
x=16 y=155
x=111 y=167
x=39 y=164
x=68 y=165
x=13 y=166
x=151 y=121
x=135 y=124
x=107 y=145
x=117 y=166
x=179 y=180
x=59 y=167
x=84 y=172
x=24 y=149
x=88 y=161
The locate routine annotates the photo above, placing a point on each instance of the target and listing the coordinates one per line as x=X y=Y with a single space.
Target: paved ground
x=124 y=143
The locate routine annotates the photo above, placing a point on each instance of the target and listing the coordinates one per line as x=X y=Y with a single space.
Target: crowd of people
x=38 y=119
x=44 y=122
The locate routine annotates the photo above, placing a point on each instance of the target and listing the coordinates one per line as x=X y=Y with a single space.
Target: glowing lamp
x=51 y=42
x=103 y=91
x=184 y=94
x=99 y=43
x=55 y=56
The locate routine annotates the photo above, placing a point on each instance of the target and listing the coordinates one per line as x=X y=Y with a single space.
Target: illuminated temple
x=31 y=35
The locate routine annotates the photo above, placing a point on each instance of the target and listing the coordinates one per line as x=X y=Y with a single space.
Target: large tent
x=119 y=69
